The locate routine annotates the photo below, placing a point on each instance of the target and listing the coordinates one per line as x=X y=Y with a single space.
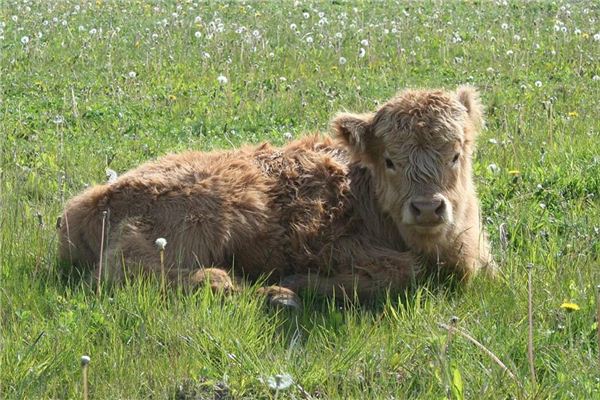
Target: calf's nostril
x=414 y=209
x=440 y=210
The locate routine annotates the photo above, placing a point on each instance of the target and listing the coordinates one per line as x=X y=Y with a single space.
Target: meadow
x=87 y=86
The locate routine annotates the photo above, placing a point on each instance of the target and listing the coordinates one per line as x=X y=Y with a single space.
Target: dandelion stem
x=99 y=277
x=162 y=270
x=85 y=360
x=530 y=353
x=85 y=383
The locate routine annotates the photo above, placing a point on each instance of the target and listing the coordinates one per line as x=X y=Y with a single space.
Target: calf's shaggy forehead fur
x=346 y=215
x=413 y=120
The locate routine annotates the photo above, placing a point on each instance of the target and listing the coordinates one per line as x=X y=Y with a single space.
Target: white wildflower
x=342 y=60
x=538 y=83
x=198 y=34
x=222 y=79
x=25 y=39
x=132 y=74
x=364 y=42
x=362 y=52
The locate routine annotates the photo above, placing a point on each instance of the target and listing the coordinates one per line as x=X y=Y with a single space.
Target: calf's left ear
x=469 y=97
x=356 y=133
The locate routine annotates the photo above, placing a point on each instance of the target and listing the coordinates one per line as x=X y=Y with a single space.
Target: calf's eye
x=389 y=164
x=456 y=157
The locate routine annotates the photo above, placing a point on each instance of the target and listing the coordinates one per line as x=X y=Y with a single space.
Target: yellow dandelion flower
x=585 y=36
x=570 y=306
x=573 y=114
x=172 y=97
x=514 y=172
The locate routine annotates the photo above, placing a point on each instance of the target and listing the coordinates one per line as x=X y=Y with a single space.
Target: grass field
x=91 y=85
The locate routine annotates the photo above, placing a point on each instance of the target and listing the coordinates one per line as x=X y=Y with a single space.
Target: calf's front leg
x=366 y=279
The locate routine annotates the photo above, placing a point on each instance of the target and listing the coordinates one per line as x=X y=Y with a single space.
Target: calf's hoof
x=280 y=298
x=218 y=280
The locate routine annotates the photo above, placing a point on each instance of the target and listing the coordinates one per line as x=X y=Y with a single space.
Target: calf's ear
x=355 y=132
x=469 y=97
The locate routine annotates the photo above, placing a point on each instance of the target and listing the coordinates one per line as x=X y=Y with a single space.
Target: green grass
x=74 y=102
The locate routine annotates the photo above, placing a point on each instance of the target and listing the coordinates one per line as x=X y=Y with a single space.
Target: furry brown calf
x=388 y=200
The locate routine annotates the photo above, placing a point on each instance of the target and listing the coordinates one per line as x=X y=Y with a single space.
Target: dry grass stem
x=482 y=348
x=530 y=352
x=99 y=277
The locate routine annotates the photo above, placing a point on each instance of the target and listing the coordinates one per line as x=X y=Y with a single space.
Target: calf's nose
x=428 y=211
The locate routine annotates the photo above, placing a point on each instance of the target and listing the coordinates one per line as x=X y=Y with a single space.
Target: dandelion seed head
x=538 y=83
x=222 y=79
x=280 y=381
x=362 y=52
x=342 y=60
x=198 y=34
x=25 y=39
x=85 y=360
x=161 y=243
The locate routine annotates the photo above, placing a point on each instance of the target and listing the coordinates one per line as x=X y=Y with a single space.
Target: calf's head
x=418 y=146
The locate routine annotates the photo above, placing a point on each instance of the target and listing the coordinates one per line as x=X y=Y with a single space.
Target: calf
x=386 y=201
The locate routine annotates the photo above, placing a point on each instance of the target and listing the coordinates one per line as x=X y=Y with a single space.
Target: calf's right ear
x=355 y=132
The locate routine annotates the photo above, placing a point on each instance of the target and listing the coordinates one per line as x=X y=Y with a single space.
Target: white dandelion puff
x=198 y=34
x=161 y=243
x=362 y=52
x=538 y=83
x=222 y=79
x=342 y=60
x=280 y=381
x=25 y=39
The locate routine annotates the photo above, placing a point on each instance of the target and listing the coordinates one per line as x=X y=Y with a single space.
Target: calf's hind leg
x=132 y=252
